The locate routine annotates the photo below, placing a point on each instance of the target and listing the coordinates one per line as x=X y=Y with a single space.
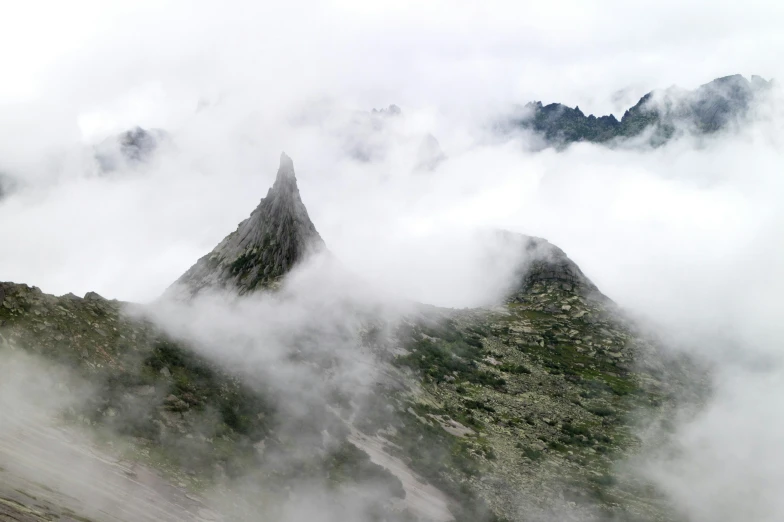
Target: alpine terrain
x=269 y=384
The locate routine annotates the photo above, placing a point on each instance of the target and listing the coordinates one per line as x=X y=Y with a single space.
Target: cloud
x=726 y=461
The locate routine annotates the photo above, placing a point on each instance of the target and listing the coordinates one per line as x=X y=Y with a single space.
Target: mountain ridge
x=527 y=402
x=667 y=113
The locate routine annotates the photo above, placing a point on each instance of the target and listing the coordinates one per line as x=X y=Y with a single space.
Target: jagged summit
x=286 y=180
x=392 y=110
x=276 y=236
x=711 y=107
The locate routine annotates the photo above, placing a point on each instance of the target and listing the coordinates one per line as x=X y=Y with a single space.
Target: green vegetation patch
x=445 y=354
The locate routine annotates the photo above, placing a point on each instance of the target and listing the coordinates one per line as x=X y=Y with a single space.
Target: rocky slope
x=514 y=412
x=714 y=106
x=154 y=404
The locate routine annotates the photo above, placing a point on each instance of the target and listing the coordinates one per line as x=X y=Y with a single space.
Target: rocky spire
x=276 y=236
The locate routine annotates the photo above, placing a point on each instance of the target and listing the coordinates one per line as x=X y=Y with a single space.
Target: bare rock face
x=276 y=236
x=545 y=265
x=548 y=263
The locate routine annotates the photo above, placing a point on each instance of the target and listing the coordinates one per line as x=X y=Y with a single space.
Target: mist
x=685 y=237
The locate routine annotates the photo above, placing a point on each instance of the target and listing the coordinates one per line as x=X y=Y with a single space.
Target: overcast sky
x=147 y=61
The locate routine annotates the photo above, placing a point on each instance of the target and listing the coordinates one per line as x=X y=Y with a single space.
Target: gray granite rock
x=277 y=235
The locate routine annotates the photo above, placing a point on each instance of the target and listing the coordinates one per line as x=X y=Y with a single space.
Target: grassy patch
x=600 y=410
x=445 y=354
x=515 y=369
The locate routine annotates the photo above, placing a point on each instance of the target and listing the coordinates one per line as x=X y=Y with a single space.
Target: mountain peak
x=277 y=235
x=545 y=264
x=286 y=180
x=544 y=269
x=286 y=168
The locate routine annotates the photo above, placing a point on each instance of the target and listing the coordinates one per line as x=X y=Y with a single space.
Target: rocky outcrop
x=277 y=235
x=129 y=149
x=541 y=265
x=546 y=263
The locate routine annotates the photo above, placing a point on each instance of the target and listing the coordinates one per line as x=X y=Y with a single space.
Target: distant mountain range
x=663 y=114
x=370 y=136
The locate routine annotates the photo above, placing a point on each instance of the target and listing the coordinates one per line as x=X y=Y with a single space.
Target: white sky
x=142 y=60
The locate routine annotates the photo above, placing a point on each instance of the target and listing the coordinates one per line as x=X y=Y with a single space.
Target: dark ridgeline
x=709 y=108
